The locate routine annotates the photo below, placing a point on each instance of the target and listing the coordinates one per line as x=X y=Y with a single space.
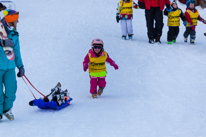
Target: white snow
x=158 y=91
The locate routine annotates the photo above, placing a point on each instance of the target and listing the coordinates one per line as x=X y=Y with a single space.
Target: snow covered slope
x=158 y=91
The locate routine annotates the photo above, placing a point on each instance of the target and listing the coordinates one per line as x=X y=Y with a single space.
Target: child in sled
x=192 y=15
x=95 y=61
x=174 y=22
x=57 y=95
x=125 y=15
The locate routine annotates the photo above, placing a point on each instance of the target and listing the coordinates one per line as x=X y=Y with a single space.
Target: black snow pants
x=154 y=14
x=191 y=32
x=172 y=33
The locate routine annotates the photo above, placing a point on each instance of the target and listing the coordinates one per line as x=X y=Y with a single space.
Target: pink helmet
x=97 y=42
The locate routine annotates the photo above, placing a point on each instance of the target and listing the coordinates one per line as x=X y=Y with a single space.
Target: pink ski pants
x=94 y=82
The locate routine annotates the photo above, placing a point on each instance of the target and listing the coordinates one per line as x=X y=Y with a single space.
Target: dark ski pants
x=154 y=14
x=191 y=32
x=172 y=33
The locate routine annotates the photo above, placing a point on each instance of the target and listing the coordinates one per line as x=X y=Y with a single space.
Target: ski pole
x=34 y=87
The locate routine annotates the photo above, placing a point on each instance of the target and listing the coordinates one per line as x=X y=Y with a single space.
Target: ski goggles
x=97 y=47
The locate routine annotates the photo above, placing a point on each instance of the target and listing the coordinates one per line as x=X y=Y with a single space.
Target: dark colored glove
x=193 y=27
x=141 y=5
x=168 y=6
x=7 y=43
x=21 y=71
x=205 y=34
x=204 y=21
x=117 y=18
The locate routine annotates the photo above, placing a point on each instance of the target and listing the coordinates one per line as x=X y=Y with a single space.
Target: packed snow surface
x=158 y=91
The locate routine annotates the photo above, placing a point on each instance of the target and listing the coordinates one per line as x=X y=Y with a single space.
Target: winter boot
x=0 y=117
x=124 y=37
x=130 y=36
x=185 y=39
x=94 y=95
x=192 y=42
x=151 y=40
x=174 y=40
x=100 y=91
x=169 y=42
x=9 y=115
x=157 y=40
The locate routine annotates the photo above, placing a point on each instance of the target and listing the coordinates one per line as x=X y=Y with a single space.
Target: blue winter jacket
x=5 y=63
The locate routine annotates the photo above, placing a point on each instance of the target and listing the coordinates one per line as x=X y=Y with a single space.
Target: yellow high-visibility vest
x=174 y=18
x=97 y=64
x=194 y=17
x=126 y=8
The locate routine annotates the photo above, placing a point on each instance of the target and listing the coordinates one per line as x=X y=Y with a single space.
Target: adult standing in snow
x=7 y=67
x=153 y=11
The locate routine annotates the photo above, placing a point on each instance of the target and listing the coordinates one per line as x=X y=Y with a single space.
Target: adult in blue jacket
x=7 y=66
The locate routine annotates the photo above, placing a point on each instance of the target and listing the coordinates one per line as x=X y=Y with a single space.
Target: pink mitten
x=114 y=65
x=85 y=67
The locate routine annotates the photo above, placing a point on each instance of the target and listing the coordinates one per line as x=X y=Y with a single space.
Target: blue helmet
x=190 y=1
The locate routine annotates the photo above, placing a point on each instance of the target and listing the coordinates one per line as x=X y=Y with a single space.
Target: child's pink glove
x=85 y=67
x=114 y=65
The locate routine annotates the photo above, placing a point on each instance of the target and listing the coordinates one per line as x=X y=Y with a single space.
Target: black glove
x=21 y=71
x=141 y=5
x=7 y=43
x=117 y=18
x=168 y=6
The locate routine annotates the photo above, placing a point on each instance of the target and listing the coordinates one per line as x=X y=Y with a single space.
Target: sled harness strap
x=33 y=86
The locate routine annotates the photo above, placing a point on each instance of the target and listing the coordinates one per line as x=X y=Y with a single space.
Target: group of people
x=154 y=12
x=96 y=57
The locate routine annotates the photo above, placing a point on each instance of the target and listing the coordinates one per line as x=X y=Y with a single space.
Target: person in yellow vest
x=95 y=61
x=192 y=15
x=125 y=14
x=174 y=22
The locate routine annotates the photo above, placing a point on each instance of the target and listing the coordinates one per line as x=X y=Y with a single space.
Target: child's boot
x=100 y=91
x=169 y=42
x=192 y=42
x=94 y=95
x=130 y=36
x=9 y=115
x=0 y=116
x=124 y=37
x=174 y=40
x=185 y=39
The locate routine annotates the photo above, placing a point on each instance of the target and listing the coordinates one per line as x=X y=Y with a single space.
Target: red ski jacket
x=149 y=3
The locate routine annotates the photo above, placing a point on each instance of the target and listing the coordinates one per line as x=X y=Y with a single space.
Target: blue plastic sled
x=50 y=105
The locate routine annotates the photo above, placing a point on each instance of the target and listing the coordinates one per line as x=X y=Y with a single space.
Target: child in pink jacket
x=95 y=61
